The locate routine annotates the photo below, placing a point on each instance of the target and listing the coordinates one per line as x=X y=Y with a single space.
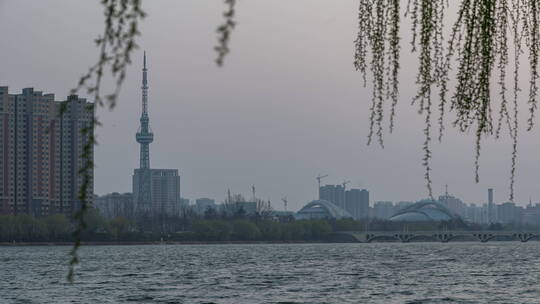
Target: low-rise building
x=115 y=204
x=203 y=204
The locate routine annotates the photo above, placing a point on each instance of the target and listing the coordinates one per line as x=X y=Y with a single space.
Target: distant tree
x=293 y=231
x=347 y=224
x=320 y=229
x=119 y=226
x=264 y=208
x=210 y=213
x=270 y=230
x=187 y=216
x=239 y=212
x=245 y=230
x=7 y=228
x=231 y=205
x=204 y=230
x=57 y=226
x=223 y=230
x=94 y=221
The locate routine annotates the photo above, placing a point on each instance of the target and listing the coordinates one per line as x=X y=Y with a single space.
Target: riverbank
x=119 y=243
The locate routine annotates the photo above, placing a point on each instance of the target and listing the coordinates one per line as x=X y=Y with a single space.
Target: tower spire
x=145 y=136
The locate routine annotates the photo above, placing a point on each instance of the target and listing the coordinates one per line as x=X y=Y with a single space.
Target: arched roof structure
x=320 y=209
x=425 y=211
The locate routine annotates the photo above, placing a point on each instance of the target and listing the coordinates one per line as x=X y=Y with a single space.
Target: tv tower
x=144 y=137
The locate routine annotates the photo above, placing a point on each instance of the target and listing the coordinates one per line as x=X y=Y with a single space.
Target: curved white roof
x=322 y=209
x=424 y=211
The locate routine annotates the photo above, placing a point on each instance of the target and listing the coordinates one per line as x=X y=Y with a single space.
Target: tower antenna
x=144 y=137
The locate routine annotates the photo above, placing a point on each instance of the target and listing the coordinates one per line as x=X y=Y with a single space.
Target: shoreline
x=131 y=243
x=23 y=244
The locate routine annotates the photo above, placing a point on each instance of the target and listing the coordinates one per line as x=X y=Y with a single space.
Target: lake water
x=498 y=272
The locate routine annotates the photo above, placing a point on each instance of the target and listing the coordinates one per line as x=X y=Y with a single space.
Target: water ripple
x=276 y=273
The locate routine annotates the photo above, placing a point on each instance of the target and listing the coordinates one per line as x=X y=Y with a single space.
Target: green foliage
x=270 y=230
x=378 y=35
x=115 y=45
x=224 y=32
x=479 y=42
x=320 y=229
x=346 y=225
x=119 y=226
x=94 y=221
x=294 y=231
x=263 y=230
x=245 y=230
x=204 y=230
x=209 y=230
x=58 y=227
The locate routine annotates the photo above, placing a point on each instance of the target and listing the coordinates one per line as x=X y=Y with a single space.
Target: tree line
x=208 y=227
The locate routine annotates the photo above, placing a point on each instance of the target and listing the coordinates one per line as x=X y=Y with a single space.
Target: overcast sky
x=287 y=106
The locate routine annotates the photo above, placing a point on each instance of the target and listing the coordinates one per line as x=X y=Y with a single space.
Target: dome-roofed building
x=424 y=211
x=321 y=209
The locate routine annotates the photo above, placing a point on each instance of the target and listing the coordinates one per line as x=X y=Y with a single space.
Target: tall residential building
x=334 y=194
x=509 y=213
x=531 y=215
x=155 y=191
x=40 y=152
x=357 y=203
x=165 y=191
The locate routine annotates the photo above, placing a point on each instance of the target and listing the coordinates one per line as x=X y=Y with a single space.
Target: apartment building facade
x=40 y=152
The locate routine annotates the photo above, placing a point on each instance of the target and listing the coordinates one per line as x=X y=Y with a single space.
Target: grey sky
x=287 y=105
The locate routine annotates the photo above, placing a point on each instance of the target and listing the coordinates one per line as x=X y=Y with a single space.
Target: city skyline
x=307 y=112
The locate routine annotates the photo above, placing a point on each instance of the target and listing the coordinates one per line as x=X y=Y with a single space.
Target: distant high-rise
x=334 y=194
x=155 y=191
x=40 y=152
x=383 y=210
x=357 y=203
x=491 y=217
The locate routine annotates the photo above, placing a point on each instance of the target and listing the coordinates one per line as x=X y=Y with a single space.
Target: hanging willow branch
x=224 y=31
x=427 y=38
x=478 y=43
x=379 y=36
x=115 y=48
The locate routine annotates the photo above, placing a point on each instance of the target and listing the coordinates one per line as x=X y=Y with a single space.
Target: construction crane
x=319 y=178
x=285 y=202
x=345 y=183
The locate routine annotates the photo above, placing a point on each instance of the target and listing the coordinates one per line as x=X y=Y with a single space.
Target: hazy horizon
x=287 y=106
